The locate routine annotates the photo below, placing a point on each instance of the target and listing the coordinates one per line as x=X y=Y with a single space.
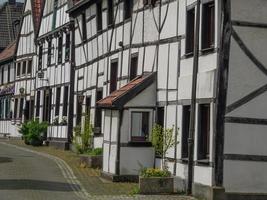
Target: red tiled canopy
x=121 y=96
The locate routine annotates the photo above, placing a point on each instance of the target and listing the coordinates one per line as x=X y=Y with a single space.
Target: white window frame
x=150 y=111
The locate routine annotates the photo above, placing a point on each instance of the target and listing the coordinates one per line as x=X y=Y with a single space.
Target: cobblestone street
x=35 y=175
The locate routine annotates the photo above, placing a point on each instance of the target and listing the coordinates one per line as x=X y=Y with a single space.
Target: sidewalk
x=90 y=178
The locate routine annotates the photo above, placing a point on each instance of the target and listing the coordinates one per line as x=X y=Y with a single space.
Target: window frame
x=151 y=116
x=113 y=81
x=190 y=42
x=18 y=69
x=133 y=70
x=185 y=122
x=128 y=9
x=99 y=17
x=200 y=151
x=60 y=49
x=57 y=103
x=206 y=28
x=65 y=101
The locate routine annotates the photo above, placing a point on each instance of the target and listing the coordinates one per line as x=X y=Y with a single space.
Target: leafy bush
x=95 y=152
x=83 y=138
x=32 y=132
x=154 y=172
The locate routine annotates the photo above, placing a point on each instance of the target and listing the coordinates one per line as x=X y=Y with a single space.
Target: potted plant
x=55 y=121
x=156 y=181
x=33 y=132
x=89 y=157
x=64 y=121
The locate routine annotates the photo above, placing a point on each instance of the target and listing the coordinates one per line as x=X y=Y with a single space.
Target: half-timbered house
x=137 y=56
x=25 y=56
x=53 y=71
x=135 y=59
x=7 y=87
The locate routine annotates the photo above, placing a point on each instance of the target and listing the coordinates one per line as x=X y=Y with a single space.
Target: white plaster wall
x=133 y=159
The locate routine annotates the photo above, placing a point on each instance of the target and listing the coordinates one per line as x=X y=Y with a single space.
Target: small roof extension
x=120 y=97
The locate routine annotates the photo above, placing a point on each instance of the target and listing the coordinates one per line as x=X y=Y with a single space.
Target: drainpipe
x=72 y=76
x=119 y=142
x=193 y=104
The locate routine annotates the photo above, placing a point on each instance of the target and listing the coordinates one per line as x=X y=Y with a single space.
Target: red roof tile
x=121 y=96
x=8 y=52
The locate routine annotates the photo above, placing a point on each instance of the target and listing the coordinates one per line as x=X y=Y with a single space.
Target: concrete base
x=64 y=145
x=120 y=178
x=156 y=185
x=240 y=196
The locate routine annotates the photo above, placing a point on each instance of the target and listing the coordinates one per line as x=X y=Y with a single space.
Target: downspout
x=193 y=104
x=119 y=142
x=72 y=76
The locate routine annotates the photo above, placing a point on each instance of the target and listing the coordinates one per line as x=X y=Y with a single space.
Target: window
x=47 y=105
x=65 y=100
x=24 y=66
x=49 y=53
x=21 y=102
x=88 y=106
x=204 y=131
x=40 y=57
x=58 y=101
x=31 y=108
x=110 y=12
x=99 y=16
x=185 y=130
x=98 y=113
x=84 y=28
x=67 y=49
x=150 y=2
x=60 y=46
x=79 y=112
x=18 y=69
x=208 y=25
x=139 y=126
x=134 y=65
x=54 y=14
x=113 y=76
x=15 y=108
x=128 y=9
x=38 y=104
x=190 y=30
x=7 y=108
x=160 y=116
x=8 y=73
x=29 y=70
x=2 y=75
x=27 y=110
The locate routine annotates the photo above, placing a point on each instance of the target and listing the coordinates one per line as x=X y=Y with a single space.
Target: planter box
x=91 y=161
x=156 y=185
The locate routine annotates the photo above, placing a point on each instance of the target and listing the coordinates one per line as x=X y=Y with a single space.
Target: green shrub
x=83 y=137
x=154 y=172
x=33 y=131
x=95 y=152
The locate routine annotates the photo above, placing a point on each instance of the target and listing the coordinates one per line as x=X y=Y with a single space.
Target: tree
x=162 y=141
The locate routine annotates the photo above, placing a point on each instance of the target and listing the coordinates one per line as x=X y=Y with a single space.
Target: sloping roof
x=8 y=52
x=9 y=13
x=120 y=97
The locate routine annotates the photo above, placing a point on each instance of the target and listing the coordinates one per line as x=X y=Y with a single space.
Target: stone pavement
x=32 y=175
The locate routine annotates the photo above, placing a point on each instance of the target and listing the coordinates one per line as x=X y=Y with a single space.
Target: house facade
x=53 y=71
x=24 y=93
x=128 y=65
x=137 y=56
x=7 y=74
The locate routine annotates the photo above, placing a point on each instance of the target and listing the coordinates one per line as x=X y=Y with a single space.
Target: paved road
x=28 y=176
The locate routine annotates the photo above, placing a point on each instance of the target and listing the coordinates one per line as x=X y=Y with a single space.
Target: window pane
x=140 y=126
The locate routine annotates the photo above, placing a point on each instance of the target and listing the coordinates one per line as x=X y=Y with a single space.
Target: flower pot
x=156 y=185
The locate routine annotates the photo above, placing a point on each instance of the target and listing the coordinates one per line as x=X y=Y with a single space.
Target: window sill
x=139 y=144
x=207 y=50
x=203 y=162
x=184 y=160
x=189 y=55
